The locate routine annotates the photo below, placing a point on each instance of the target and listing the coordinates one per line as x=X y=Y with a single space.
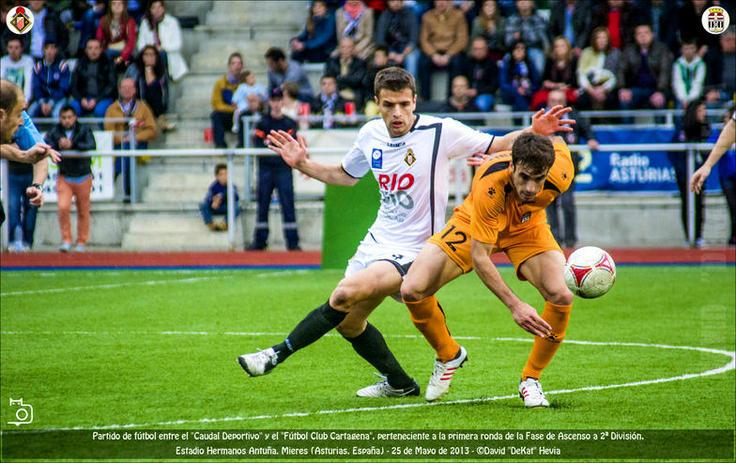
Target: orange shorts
x=454 y=240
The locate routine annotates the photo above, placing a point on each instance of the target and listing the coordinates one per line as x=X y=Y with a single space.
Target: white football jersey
x=413 y=176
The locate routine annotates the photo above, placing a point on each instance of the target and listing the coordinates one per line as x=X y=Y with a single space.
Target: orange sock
x=428 y=317
x=544 y=348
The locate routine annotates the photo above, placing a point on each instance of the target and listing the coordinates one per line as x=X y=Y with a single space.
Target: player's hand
x=293 y=152
x=550 y=122
x=476 y=159
x=35 y=196
x=39 y=151
x=699 y=177
x=527 y=317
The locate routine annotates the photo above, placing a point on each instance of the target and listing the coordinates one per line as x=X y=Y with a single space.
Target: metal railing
x=252 y=153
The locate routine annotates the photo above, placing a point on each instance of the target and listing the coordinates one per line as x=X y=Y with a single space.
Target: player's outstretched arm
x=294 y=153
x=545 y=123
x=524 y=315
x=32 y=155
x=724 y=142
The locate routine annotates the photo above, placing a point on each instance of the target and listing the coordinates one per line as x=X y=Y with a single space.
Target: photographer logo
x=23 y=412
x=19 y=20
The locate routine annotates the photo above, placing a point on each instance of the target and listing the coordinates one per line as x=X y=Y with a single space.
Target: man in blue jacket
x=51 y=79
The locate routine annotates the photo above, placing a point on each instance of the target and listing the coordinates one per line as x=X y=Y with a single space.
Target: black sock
x=372 y=347
x=311 y=328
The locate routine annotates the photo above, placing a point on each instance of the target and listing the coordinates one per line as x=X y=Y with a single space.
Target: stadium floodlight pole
x=230 y=202
x=690 y=198
x=132 y=162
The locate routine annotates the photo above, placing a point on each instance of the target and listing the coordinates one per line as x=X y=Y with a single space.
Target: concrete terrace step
x=203 y=240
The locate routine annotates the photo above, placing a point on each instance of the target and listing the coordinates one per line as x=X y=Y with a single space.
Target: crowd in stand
x=607 y=54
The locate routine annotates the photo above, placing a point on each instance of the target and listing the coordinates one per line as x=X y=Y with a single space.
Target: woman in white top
x=163 y=32
x=597 y=72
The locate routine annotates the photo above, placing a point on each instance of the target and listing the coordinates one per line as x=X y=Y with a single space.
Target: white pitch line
x=731 y=365
x=110 y=286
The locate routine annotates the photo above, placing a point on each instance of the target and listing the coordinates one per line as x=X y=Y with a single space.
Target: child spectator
x=222 y=99
x=489 y=24
x=688 y=74
x=75 y=176
x=317 y=40
x=152 y=83
x=248 y=99
x=17 y=67
x=93 y=81
x=519 y=78
x=51 y=80
x=163 y=32
x=559 y=74
x=355 y=20
x=597 y=70
x=117 y=33
x=215 y=203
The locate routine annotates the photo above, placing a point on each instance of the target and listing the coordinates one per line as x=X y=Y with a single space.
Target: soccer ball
x=590 y=272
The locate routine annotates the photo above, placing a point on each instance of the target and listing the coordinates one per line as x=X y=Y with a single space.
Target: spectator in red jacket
x=117 y=33
x=559 y=73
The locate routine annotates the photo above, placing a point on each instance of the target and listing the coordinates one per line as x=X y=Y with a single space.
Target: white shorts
x=368 y=253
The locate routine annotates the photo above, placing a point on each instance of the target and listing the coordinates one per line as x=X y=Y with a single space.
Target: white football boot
x=530 y=390
x=259 y=363
x=384 y=389
x=439 y=382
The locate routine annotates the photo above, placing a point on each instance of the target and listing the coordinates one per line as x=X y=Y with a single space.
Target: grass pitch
x=158 y=349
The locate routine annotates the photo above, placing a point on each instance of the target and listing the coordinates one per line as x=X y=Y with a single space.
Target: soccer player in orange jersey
x=505 y=211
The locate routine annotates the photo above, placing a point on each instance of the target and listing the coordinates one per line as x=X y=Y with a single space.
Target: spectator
x=75 y=176
x=25 y=184
x=572 y=19
x=559 y=74
x=328 y=102
x=349 y=71
x=662 y=15
x=17 y=67
x=93 y=81
x=688 y=75
x=222 y=99
x=127 y=106
x=461 y=99
x=619 y=17
x=149 y=74
x=726 y=169
x=566 y=201
x=695 y=129
x=530 y=27
x=280 y=71
x=723 y=82
x=248 y=100
x=117 y=33
x=291 y=100
x=490 y=24
x=519 y=78
x=317 y=40
x=482 y=74
x=377 y=64
x=597 y=70
x=644 y=72
x=215 y=203
x=274 y=173
x=163 y=32
x=443 y=37
x=51 y=79
x=355 y=20
x=46 y=25
x=398 y=32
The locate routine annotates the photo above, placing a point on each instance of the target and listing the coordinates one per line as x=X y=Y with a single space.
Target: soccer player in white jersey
x=409 y=156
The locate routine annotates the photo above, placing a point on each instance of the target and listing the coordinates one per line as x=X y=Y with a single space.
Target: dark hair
x=68 y=107
x=149 y=16
x=328 y=76
x=275 y=54
x=382 y=48
x=234 y=55
x=394 y=79
x=158 y=68
x=690 y=41
x=15 y=38
x=220 y=167
x=694 y=129
x=534 y=152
